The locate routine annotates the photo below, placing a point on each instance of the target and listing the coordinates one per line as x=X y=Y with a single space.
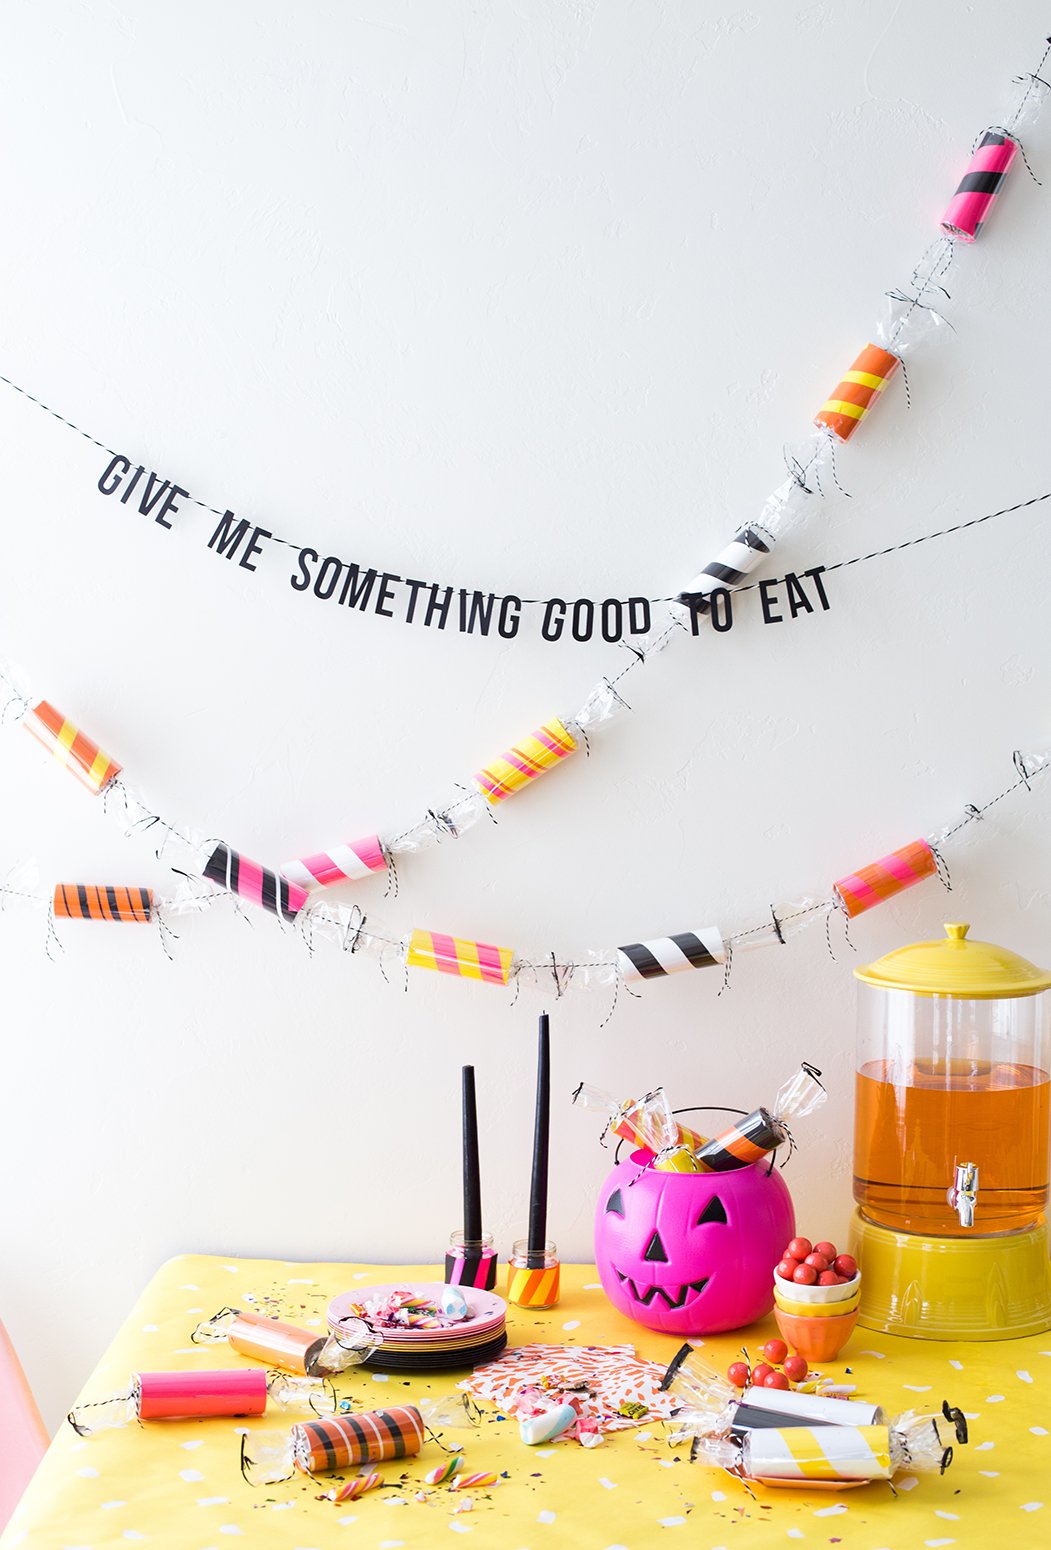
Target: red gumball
x=775 y=1380
x=804 y=1275
x=786 y=1268
x=818 y=1261
x=760 y=1374
x=829 y=1278
x=775 y=1351
x=829 y=1250
x=796 y=1368
x=846 y=1265
x=799 y=1248
x=737 y=1372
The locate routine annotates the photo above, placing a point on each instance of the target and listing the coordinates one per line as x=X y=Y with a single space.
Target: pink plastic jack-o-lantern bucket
x=691 y=1253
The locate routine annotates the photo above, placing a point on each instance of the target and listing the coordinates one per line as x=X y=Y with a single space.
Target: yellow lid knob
x=956 y=966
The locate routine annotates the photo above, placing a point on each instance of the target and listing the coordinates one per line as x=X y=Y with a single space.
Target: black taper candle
x=538 y=1187
x=472 y=1183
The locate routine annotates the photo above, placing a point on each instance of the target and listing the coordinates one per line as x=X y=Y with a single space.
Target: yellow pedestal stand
x=982 y=1288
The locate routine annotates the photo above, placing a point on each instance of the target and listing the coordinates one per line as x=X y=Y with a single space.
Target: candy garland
x=910 y=320
x=226 y=874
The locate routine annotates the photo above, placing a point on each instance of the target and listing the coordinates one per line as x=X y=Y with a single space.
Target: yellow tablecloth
x=178 y=1484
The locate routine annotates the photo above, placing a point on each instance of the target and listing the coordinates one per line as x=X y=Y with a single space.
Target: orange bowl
x=818 y=1339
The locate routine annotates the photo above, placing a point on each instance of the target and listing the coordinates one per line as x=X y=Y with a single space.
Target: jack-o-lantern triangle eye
x=714 y=1211
x=615 y=1203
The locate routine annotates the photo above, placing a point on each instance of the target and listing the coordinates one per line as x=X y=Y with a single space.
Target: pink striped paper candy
x=884 y=878
x=344 y=863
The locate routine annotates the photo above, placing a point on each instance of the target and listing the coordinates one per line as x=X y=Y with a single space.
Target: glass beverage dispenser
x=951 y=1141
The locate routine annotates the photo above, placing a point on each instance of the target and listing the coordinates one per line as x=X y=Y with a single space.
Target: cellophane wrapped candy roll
x=288 y=1347
x=981 y=183
x=93 y=901
x=453 y=955
x=647 y=1122
x=532 y=757
x=764 y=1129
x=830 y=1453
x=166 y=1396
x=860 y=388
x=352 y=862
x=69 y=745
x=709 y=1403
x=663 y=955
x=333 y=1442
x=882 y=879
x=256 y=883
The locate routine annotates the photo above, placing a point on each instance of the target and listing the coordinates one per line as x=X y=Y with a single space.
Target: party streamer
x=88 y=901
x=71 y=747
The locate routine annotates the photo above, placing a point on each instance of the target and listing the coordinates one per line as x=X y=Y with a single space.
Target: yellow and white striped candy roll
x=533 y=756
x=826 y=1453
x=452 y=955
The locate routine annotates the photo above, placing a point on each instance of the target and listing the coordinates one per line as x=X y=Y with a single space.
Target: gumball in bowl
x=691 y=1253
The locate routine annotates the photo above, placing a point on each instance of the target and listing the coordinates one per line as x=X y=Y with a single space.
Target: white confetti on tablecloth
x=614 y=1374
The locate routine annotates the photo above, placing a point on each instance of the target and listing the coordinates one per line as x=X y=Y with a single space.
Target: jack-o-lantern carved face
x=691 y=1253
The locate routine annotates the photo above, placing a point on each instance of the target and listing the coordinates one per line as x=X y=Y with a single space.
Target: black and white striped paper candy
x=670 y=954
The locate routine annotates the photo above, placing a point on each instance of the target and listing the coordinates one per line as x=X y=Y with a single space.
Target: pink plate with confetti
x=488 y=1313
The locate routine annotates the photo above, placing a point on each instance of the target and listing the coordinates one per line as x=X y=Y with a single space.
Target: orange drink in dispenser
x=951 y=1141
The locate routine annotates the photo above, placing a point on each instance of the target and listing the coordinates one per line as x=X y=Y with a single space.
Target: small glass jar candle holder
x=532 y=1278
x=471 y=1263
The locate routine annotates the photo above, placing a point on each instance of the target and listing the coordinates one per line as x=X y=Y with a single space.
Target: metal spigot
x=963 y=1196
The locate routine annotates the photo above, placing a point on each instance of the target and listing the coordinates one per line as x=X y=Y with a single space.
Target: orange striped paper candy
x=78 y=753
x=452 y=955
x=533 y=756
x=884 y=878
x=852 y=398
x=91 y=901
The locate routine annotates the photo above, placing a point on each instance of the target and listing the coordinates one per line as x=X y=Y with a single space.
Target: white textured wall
x=524 y=298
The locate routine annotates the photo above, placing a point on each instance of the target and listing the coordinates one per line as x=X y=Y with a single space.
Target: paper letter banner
x=852 y=398
x=255 y=882
x=78 y=753
x=979 y=187
x=886 y=877
x=670 y=954
x=350 y=862
x=450 y=955
x=534 y=755
x=84 y=901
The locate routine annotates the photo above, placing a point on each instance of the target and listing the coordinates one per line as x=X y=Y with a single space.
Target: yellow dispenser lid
x=970 y=971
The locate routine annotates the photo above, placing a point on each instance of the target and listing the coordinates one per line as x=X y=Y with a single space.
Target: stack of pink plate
x=480 y=1338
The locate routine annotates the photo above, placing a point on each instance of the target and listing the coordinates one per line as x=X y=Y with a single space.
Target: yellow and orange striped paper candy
x=853 y=397
x=533 y=756
x=452 y=955
x=78 y=753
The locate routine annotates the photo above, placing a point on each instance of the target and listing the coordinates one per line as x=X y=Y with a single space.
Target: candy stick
x=483 y=1478
x=355 y=1488
x=442 y=1472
